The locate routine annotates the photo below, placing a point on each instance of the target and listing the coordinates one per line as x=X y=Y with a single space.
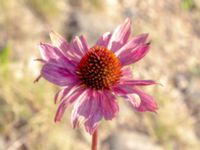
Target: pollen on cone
x=99 y=68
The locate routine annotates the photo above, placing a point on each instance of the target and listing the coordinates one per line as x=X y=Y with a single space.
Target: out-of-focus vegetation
x=44 y=9
x=27 y=109
x=4 y=55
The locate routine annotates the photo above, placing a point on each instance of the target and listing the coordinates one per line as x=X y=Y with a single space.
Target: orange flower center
x=99 y=68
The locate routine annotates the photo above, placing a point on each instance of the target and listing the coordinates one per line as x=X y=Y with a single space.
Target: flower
x=92 y=78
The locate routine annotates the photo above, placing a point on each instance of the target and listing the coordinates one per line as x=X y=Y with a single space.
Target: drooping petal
x=81 y=109
x=80 y=45
x=104 y=39
x=76 y=93
x=96 y=114
x=87 y=111
x=109 y=105
x=132 y=99
x=120 y=36
x=92 y=123
x=131 y=45
x=134 y=56
x=57 y=75
x=60 y=95
x=147 y=102
x=127 y=89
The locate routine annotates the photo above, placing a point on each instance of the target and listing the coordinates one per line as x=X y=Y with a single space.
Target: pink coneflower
x=93 y=78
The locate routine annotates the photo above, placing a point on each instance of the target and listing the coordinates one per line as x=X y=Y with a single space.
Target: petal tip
x=128 y=20
x=54 y=35
x=41 y=45
x=51 y=32
x=56 y=120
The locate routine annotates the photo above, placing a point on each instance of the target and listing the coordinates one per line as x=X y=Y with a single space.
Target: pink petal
x=87 y=110
x=84 y=43
x=147 y=102
x=92 y=123
x=137 y=82
x=81 y=110
x=104 y=39
x=132 y=101
x=76 y=93
x=95 y=114
x=56 y=97
x=120 y=36
x=80 y=45
x=53 y=55
x=134 y=56
x=57 y=75
x=60 y=95
x=128 y=87
x=49 y=52
x=126 y=73
x=64 y=46
x=95 y=104
x=59 y=41
x=131 y=45
x=121 y=90
x=127 y=79
x=109 y=105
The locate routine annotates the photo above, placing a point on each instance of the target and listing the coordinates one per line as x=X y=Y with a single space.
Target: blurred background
x=27 y=109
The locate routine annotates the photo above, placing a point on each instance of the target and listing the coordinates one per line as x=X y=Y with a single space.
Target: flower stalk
x=95 y=140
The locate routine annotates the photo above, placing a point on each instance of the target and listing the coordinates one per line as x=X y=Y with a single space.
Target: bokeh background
x=27 y=109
